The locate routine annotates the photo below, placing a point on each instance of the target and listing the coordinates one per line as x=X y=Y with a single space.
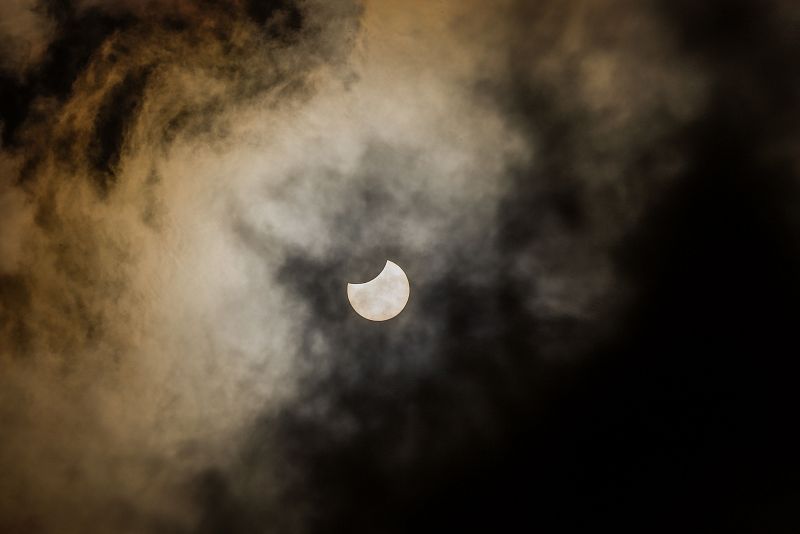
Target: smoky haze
x=188 y=186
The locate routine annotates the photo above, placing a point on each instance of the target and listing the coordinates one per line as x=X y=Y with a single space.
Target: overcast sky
x=594 y=202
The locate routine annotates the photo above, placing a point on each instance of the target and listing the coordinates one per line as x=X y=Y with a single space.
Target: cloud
x=102 y=220
x=189 y=185
x=25 y=33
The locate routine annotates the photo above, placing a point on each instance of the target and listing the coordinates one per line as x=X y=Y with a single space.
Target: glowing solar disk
x=383 y=297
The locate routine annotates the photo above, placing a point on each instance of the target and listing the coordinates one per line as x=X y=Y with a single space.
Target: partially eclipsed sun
x=383 y=297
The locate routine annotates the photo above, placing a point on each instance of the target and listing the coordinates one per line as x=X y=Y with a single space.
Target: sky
x=595 y=203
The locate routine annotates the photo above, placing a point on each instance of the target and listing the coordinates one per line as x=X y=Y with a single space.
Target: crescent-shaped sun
x=383 y=297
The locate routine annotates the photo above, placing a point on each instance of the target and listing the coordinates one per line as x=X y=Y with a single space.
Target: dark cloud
x=15 y=101
x=66 y=56
x=114 y=114
x=80 y=28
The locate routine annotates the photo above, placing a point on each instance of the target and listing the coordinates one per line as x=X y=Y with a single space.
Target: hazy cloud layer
x=188 y=186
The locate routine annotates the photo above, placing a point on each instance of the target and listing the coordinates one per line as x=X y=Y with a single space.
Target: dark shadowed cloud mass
x=595 y=203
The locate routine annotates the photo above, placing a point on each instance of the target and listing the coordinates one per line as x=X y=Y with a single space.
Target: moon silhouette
x=383 y=297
